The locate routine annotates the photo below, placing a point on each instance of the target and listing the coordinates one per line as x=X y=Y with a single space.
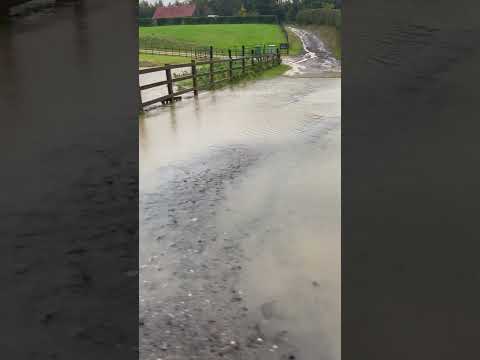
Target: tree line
x=285 y=10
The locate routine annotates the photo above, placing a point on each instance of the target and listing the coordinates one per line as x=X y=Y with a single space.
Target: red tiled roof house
x=169 y=12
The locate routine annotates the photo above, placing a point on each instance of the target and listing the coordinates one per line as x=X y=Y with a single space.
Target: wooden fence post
x=168 y=72
x=194 y=78
x=230 y=65
x=243 y=59
x=211 y=65
x=251 y=57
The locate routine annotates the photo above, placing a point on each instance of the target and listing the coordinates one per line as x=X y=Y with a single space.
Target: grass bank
x=330 y=35
x=221 y=36
x=273 y=72
x=258 y=73
x=296 y=46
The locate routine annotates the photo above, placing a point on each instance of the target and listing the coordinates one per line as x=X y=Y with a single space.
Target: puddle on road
x=286 y=214
x=267 y=112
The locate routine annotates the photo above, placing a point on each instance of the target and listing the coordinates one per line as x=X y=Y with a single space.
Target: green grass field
x=146 y=60
x=221 y=36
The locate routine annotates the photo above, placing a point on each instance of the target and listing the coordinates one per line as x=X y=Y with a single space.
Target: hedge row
x=145 y=22
x=260 y=19
x=332 y=17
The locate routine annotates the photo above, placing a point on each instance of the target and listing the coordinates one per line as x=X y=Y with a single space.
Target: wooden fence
x=186 y=52
x=252 y=60
x=151 y=46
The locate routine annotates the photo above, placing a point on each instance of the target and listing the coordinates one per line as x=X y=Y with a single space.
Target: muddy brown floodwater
x=240 y=219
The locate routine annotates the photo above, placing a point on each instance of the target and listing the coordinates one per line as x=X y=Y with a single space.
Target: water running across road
x=240 y=219
x=317 y=61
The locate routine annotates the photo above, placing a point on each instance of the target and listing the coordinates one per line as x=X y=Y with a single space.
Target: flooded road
x=240 y=219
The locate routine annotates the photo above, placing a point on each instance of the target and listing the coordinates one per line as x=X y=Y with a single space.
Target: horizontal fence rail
x=233 y=67
x=148 y=46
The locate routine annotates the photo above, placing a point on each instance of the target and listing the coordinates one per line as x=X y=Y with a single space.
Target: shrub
x=259 y=19
x=320 y=16
x=145 y=22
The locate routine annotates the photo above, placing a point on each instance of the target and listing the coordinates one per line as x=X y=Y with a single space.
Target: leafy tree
x=201 y=7
x=316 y=4
x=224 y=7
x=292 y=10
x=285 y=10
x=328 y=4
x=146 y=10
x=242 y=11
x=265 y=7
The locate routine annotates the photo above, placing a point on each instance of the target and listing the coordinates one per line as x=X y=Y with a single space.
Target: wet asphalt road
x=240 y=219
